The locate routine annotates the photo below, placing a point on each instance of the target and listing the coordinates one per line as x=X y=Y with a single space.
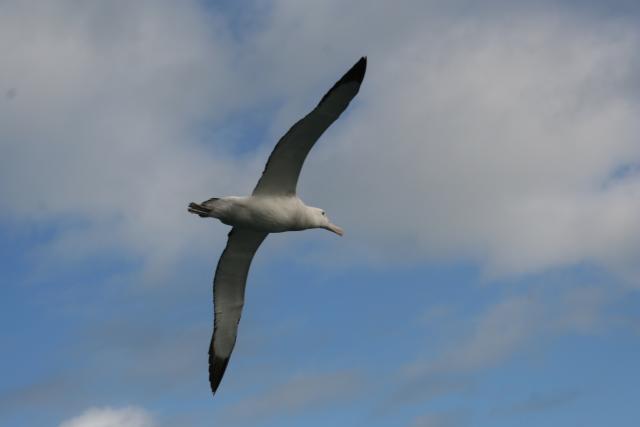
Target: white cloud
x=495 y=139
x=109 y=417
x=492 y=141
x=100 y=132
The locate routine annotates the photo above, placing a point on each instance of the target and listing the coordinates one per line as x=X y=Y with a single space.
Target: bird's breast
x=271 y=214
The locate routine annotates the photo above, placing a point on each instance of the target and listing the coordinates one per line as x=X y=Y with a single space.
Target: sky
x=487 y=177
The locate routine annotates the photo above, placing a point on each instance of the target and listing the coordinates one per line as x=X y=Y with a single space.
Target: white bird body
x=273 y=207
x=271 y=214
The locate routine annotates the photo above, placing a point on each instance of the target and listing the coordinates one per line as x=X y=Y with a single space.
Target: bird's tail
x=203 y=209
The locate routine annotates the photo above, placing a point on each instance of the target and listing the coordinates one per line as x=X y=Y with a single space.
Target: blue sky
x=486 y=177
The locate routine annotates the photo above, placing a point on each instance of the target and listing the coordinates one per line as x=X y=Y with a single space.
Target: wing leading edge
x=280 y=175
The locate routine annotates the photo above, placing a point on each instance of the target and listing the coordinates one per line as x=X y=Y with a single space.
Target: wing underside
x=228 y=297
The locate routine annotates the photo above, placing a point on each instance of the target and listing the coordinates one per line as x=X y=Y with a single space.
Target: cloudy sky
x=487 y=177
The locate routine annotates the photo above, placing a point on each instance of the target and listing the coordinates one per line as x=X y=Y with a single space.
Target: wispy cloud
x=299 y=393
x=509 y=327
x=45 y=393
x=111 y=417
x=515 y=323
x=540 y=402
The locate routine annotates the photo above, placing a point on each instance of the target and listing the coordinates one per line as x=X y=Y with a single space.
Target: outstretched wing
x=280 y=175
x=228 y=297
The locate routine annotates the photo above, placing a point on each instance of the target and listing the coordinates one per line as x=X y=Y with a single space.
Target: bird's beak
x=335 y=229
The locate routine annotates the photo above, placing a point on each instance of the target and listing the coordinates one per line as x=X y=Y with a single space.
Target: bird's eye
x=323 y=213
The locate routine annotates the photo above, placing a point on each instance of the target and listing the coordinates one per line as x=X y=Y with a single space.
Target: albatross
x=273 y=207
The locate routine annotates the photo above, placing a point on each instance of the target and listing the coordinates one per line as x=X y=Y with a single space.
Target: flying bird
x=273 y=207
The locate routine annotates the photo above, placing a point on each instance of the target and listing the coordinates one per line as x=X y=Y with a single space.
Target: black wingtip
x=217 y=366
x=356 y=73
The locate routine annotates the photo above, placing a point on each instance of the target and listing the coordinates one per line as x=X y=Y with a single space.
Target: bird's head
x=321 y=220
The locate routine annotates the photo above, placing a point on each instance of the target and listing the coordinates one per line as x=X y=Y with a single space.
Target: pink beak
x=335 y=229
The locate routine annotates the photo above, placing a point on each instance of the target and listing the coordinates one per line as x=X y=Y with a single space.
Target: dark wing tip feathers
x=355 y=74
x=217 y=366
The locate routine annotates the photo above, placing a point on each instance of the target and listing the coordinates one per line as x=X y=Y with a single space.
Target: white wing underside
x=228 y=297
